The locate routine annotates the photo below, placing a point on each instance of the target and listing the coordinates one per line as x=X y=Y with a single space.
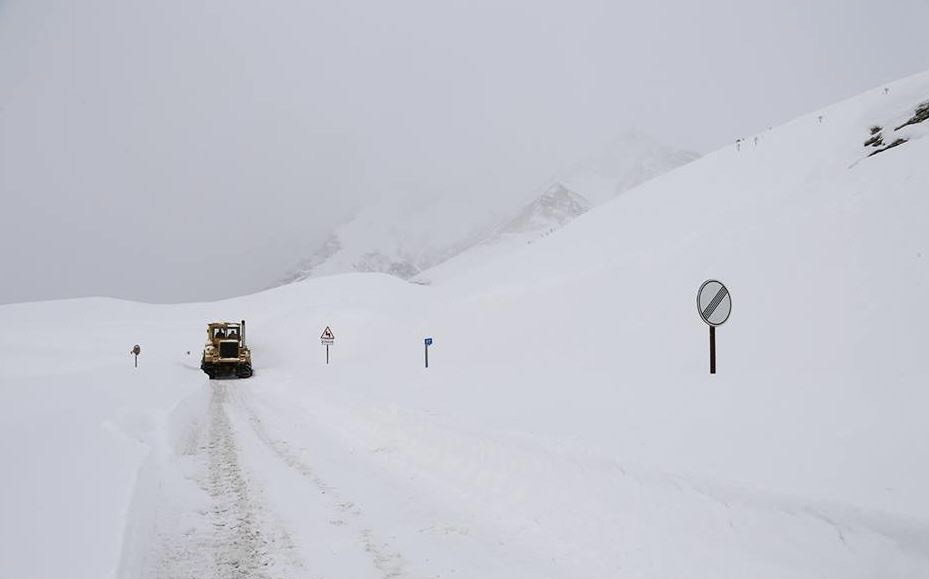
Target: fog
x=191 y=150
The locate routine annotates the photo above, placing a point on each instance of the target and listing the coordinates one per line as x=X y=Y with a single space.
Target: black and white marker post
x=714 y=305
x=327 y=339
x=427 y=342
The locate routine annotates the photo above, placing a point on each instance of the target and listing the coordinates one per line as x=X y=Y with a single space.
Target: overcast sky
x=149 y=149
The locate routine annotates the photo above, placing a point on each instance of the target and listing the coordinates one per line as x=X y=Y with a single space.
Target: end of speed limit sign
x=714 y=302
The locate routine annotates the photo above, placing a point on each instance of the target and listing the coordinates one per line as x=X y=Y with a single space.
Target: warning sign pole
x=327 y=338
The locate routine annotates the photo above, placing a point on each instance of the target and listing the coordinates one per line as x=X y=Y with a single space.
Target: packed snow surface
x=567 y=425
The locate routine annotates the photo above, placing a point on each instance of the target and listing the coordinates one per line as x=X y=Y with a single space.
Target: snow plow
x=225 y=352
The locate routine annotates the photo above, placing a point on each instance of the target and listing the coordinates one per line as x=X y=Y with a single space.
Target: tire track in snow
x=233 y=535
x=390 y=563
x=241 y=548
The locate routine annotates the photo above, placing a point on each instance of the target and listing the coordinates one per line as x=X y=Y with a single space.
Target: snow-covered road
x=317 y=484
x=254 y=489
x=226 y=530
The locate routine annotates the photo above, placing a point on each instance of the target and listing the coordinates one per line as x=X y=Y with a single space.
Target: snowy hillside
x=567 y=425
x=403 y=238
x=632 y=159
x=399 y=238
x=552 y=210
x=555 y=208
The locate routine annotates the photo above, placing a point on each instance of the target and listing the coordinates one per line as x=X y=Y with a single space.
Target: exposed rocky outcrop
x=877 y=142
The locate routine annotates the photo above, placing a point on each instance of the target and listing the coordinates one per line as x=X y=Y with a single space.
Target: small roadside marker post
x=714 y=304
x=135 y=351
x=327 y=339
x=427 y=342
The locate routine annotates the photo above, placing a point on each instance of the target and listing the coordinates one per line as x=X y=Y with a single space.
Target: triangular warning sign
x=327 y=334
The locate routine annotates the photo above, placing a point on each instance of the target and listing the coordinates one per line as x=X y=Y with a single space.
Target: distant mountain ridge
x=554 y=208
x=405 y=240
x=631 y=159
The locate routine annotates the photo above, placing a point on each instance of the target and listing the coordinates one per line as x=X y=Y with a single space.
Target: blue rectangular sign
x=428 y=341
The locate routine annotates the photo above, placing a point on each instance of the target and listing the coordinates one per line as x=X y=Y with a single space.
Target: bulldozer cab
x=224 y=331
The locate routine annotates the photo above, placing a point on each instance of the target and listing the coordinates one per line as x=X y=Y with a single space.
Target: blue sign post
x=427 y=342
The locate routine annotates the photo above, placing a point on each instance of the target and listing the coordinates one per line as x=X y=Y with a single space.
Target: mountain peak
x=555 y=190
x=401 y=236
x=555 y=207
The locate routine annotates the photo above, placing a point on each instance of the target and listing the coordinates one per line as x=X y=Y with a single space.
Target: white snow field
x=567 y=426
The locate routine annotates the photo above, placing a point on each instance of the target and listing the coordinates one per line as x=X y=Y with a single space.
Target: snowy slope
x=567 y=425
x=556 y=207
x=398 y=235
x=632 y=159
x=551 y=211
x=802 y=228
x=404 y=235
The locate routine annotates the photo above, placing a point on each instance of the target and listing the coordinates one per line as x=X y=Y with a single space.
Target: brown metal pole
x=712 y=349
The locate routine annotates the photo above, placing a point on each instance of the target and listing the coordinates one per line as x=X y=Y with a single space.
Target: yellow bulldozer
x=225 y=352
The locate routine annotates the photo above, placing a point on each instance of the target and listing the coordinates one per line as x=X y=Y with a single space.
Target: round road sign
x=714 y=302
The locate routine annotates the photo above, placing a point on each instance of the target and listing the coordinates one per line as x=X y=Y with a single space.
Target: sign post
x=327 y=339
x=714 y=305
x=136 y=350
x=427 y=342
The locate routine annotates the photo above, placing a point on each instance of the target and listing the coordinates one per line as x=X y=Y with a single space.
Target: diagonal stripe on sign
x=717 y=299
